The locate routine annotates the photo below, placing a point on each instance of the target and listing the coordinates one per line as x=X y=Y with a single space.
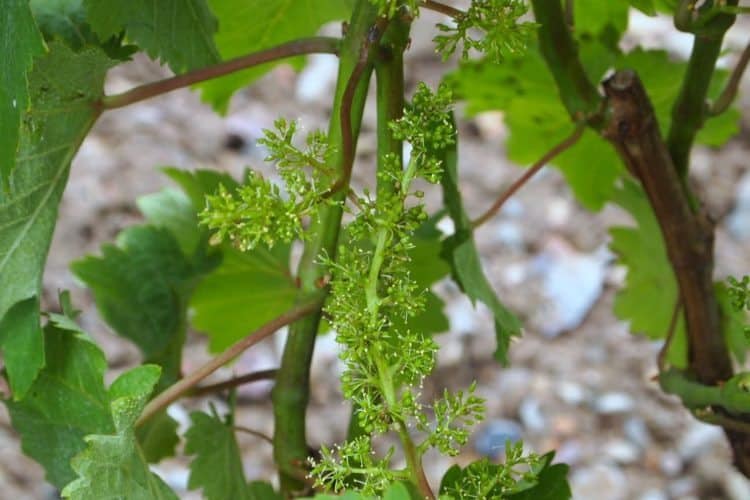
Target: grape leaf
x=427 y=267
x=199 y=183
x=63 y=85
x=66 y=402
x=650 y=293
x=179 y=32
x=247 y=289
x=20 y=42
x=282 y=21
x=733 y=323
x=645 y=6
x=244 y=292
x=537 y=120
x=662 y=77
x=552 y=485
x=172 y=210
x=23 y=343
x=217 y=466
x=112 y=463
x=142 y=286
x=595 y=16
x=158 y=437
x=466 y=266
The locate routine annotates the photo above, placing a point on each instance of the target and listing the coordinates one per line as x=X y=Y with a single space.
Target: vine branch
x=530 y=172
x=442 y=8
x=689 y=110
x=347 y=161
x=727 y=95
x=313 y=45
x=183 y=386
x=233 y=382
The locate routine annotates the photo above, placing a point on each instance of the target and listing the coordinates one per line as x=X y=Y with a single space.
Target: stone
x=600 y=481
x=491 y=438
x=611 y=403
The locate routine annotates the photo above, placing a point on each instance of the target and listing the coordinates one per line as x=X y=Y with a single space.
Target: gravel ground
x=586 y=391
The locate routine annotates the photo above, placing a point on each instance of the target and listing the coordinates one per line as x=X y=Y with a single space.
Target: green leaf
x=733 y=322
x=113 y=463
x=536 y=119
x=66 y=402
x=280 y=21
x=142 y=287
x=426 y=268
x=552 y=485
x=595 y=16
x=63 y=86
x=466 y=265
x=662 y=77
x=23 y=343
x=197 y=184
x=649 y=296
x=158 y=437
x=179 y=32
x=401 y=491
x=645 y=6
x=246 y=291
x=172 y=210
x=260 y=490
x=217 y=466
x=20 y=42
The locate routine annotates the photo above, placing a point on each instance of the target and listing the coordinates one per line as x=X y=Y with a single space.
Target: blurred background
x=578 y=381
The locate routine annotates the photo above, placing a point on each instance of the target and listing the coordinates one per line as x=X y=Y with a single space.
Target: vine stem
x=291 y=392
x=233 y=382
x=689 y=110
x=442 y=8
x=371 y=40
x=530 y=172
x=183 y=386
x=727 y=95
x=255 y=433
x=312 y=45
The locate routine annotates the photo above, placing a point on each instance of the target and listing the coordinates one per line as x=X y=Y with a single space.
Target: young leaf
x=650 y=293
x=66 y=402
x=245 y=291
x=66 y=21
x=734 y=324
x=20 y=42
x=22 y=341
x=172 y=210
x=536 y=118
x=199 y=183
x=552 y=484
x=645 y=6
x=217 y=466
x=283 y=21
x=63 y=86
x=158 y=437
x=466 y=266
x=179 y=32
x=113 y=462
x=142 y=287
x=594 y=17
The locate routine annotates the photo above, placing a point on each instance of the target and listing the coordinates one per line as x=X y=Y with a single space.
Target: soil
x=587 y=392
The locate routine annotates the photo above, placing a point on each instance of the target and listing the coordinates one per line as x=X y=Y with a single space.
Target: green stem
x=727 y=95
x=559 y=50
x=320 y=45
x=690 y=110
x=389 y=70
x=312 y=303
x=389 y=75
x=291 y=392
